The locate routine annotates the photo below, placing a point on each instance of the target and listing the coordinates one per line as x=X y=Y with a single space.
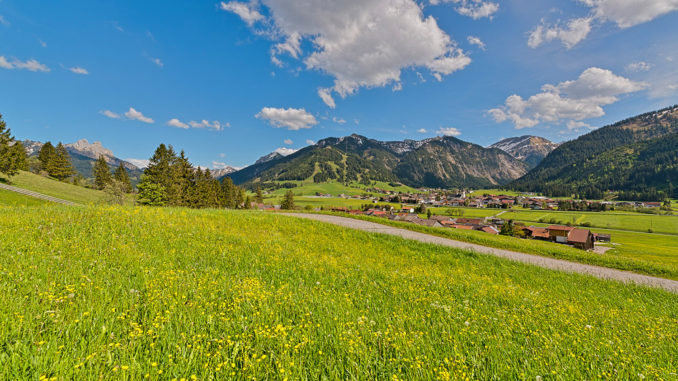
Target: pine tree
x=20 y=157
x=156 y=186
x=46 y=155
x=60 y=166
x=228 y=190
x=12 y=153
x=102 y=174
x=122 y=177
x=288 y=201
x=259 y=198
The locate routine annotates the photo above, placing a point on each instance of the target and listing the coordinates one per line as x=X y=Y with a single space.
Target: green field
x=59 y=189
x=106 y=292
x=8 y=198
x=652 y=254
x=606 y=220
x=309 y=188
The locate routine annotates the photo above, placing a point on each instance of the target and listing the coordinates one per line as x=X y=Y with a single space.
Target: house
x=602 y=237
x=490 y=230
x=470 y=221
x=559 y=233
x=429 y=223
x=581 y=239
x=536 y=232
x=441 y=218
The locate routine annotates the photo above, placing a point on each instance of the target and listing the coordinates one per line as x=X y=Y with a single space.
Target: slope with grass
x=9 y=198
x=59 y=189
x=164 y=293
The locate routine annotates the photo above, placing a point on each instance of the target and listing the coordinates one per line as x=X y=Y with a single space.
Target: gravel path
x=36 y=195
x=549 y=263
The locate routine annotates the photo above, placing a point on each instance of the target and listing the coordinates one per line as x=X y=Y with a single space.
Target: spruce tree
x=122 y=177
x=228 y=190
x=102 y=174
x=46 y=155
x=288 y=201
x=10 y=155
x=259 y=198
x=60 y=166
x=156 y=184
x=20 y=157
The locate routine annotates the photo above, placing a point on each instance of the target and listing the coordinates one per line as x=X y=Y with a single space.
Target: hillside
x=530 y=149
x=608 y=158
x=176 y=293
x=438 y=162
x=84 y=155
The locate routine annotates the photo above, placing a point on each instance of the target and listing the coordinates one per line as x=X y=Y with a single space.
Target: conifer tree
x=228 y=190
x=20 y=157
x=12 y=154
x=259 y=198
x=46 y=155
x=60 y=166
x=102 y=174
x=122 y=177
x=288 y=201
x=155 y=187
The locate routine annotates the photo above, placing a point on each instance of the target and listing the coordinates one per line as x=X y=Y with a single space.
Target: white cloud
x=475 y=9
x=216 y=125
x=627 y=13
x=288 y=142
x=422 y=131
x=247 y=11
x=177 y=123
x=78 y=70
x=4 y=22
x=638 y=66
x=30 y=65
x=158 y=62
x=140 y=163
x=448 y=131
x=219 y=165
x=133 y=114
x=326 y=96
x=360 y=43
x=338 y=120
x=310 y=142
x=290 y=118
x=576 y=100
x=42 y=43
x=575 y=31
x=110 y=114
x=285 y=151
x=573 y=125
x=476 y=41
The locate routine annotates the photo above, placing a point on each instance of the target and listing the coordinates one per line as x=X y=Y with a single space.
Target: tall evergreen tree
x=20 y=157
x=11 y=157
x=60 y=166
x=46 y=155
x=102 y=174
x=156 y=183
x=228 y=190
x=259 y=198
x=288 y=201
x=122 y=177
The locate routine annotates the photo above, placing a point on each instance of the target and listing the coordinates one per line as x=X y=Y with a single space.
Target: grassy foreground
x=164 y=293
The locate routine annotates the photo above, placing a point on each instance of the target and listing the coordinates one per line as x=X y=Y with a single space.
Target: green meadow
x=133 y=293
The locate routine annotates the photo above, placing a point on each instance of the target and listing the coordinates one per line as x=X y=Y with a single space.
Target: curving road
x=549 y=263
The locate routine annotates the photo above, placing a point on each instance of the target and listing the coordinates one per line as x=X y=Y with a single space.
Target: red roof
x=561 y=228
x=490 y=229
x=538 y=232
x=463 y=227
x=579 y=235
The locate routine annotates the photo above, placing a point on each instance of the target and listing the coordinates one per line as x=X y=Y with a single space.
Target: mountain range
x=441 y=162
x=631 y=155
x=530 y=149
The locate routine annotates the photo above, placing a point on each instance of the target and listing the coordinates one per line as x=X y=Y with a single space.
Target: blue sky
x=231 y=81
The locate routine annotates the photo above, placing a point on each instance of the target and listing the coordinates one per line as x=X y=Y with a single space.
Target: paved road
x=549 y=263
x=36 y=195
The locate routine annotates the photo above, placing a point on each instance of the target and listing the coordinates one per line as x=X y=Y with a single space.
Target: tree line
x=171 y=180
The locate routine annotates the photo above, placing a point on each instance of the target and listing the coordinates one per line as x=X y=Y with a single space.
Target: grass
x=636 y=253
x=8 y=198
x=309 y=188
x=59 y=189
x=172 y=293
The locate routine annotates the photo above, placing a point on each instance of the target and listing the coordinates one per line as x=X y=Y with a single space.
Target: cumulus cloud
x=573 y=33
x=475 y=9
x=310 y=142
x=133 y=114
x=290 y=118
x=360 y=43
x=422 y=131
x=338 y=120
x=78 y=70
x=30 y=65
x=110 y=114
x=627 y=13
x=177 y=123
x=285 y=151
x=638 y=66
x=219 y=165
x=247 y=11
x=575 y=100
x=476 y=41
x=288 y=142
x=215 y=125
x=448 y=131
